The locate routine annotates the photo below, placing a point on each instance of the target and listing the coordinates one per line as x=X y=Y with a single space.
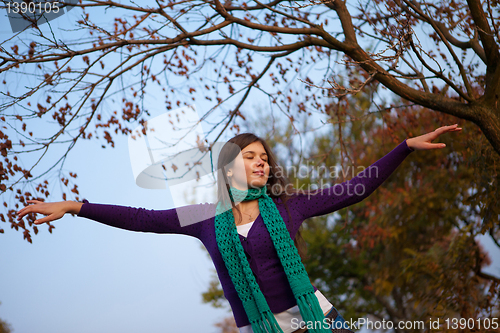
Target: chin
x=257 y=184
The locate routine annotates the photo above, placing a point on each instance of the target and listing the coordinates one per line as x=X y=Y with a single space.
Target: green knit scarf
x=254 y=302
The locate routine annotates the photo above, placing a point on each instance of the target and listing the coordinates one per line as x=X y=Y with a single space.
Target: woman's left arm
x=331 y=199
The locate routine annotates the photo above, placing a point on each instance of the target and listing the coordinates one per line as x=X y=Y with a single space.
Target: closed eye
x=250 y=157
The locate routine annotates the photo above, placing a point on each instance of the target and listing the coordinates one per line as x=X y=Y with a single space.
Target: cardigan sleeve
x=185 y=220
x=338 y=196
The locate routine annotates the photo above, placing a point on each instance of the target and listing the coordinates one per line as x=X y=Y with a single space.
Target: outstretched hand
x=52 y=210
x=423 y=142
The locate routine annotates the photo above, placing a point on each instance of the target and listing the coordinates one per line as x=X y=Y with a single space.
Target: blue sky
x=89 y=277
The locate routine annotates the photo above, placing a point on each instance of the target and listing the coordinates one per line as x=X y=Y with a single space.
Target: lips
x=260 y=173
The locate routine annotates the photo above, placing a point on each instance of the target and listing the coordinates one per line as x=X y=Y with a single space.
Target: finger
x=44 y=219
x=436 y=145
x=28 y=209
x=23 y=210
x=429 y=146
x=449 y=126
x=445 y=129
x=453 y=128
x=24 y=215
x=21 y=213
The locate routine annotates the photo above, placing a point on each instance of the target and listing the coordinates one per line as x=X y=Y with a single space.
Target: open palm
x=52 y=210
x=424 y=142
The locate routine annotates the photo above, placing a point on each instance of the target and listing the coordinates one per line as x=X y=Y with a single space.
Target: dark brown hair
x=277 y=184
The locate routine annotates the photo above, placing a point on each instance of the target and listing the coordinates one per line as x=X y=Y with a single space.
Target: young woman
x=252 y=233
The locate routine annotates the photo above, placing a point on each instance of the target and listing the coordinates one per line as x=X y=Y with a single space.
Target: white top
x=284 y=318
x=243 y=229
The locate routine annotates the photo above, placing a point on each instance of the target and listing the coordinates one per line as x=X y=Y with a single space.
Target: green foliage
x=214 y=294
x=5 y=327
x=410 y=250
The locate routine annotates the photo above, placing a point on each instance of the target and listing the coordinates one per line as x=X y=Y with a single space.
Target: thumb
x=45 y=219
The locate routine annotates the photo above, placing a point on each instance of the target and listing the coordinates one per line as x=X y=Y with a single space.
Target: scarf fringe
x=233 y=254
x=311 y=312
x=266 y=324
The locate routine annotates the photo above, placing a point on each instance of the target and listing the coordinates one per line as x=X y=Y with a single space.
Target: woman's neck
x=246 y=205
x=249 y=211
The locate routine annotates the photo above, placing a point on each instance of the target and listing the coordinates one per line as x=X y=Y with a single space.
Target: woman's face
x=251 y=168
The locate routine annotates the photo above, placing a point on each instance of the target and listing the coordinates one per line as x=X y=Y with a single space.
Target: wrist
x=409 y=144
x=73 y=207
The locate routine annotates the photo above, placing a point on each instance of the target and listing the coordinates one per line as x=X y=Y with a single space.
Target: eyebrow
x=252 y=152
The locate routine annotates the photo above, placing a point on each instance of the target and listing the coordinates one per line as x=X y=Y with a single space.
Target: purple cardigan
x=258 y=245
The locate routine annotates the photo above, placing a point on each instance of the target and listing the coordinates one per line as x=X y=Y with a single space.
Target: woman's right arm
x=183 y=220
